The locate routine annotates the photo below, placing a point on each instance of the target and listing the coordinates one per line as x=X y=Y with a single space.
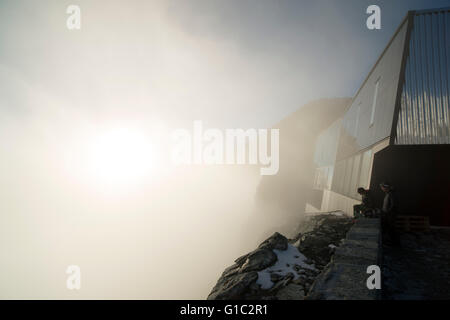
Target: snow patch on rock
x=286 y=262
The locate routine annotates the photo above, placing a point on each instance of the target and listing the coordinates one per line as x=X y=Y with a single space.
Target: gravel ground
x=419 y=269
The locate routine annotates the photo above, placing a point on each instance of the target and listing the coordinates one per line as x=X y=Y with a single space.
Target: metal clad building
x=403 y=101
x=424 y=110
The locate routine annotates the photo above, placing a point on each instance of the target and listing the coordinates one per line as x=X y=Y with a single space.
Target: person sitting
x=361 y=210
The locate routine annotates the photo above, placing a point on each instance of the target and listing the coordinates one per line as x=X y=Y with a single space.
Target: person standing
x=389 y=212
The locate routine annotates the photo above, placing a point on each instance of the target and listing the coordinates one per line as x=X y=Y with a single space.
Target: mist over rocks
x=280 y=199
x=281 y=268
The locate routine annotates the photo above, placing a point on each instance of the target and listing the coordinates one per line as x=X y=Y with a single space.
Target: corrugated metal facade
x=424 y=107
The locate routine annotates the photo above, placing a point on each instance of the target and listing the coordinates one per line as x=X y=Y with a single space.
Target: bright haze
x=85 y=122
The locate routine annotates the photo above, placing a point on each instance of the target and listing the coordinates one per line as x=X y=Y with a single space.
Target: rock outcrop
x=345 y=277
x=321 y=235
x=284 y=269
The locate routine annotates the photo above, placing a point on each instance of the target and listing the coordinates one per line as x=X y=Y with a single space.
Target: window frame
x=374 y=102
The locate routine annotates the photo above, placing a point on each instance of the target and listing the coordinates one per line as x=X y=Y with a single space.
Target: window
x=365 y=168
x=316 y=179
x=355 y=176
x=337 y=184
x=358 y=111
x=323 y=177
x=348 y=175
x=374 y=105
x=330 y=177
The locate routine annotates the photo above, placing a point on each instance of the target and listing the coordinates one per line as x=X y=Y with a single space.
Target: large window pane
x=355 y=175
x=348 y=175
x=365 y=168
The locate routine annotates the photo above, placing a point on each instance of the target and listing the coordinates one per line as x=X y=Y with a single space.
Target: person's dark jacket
x=365 y=199
x=389 y=203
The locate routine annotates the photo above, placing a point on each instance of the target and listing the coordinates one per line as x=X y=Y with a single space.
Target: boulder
x=275 y=242
x=240 y=281
x=291 y=292
x=259 y=260
x=329 y=230
x=233 y=288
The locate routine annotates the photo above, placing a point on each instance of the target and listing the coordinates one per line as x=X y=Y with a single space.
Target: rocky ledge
x=282 y=268
x=345 y=277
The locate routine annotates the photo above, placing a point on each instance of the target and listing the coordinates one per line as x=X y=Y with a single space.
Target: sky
x=152 y=66
x=233 y=63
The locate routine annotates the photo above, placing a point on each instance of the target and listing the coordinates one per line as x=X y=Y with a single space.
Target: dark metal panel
x=421 y=179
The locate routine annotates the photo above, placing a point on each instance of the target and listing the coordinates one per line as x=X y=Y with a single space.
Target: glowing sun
x=121 y=156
